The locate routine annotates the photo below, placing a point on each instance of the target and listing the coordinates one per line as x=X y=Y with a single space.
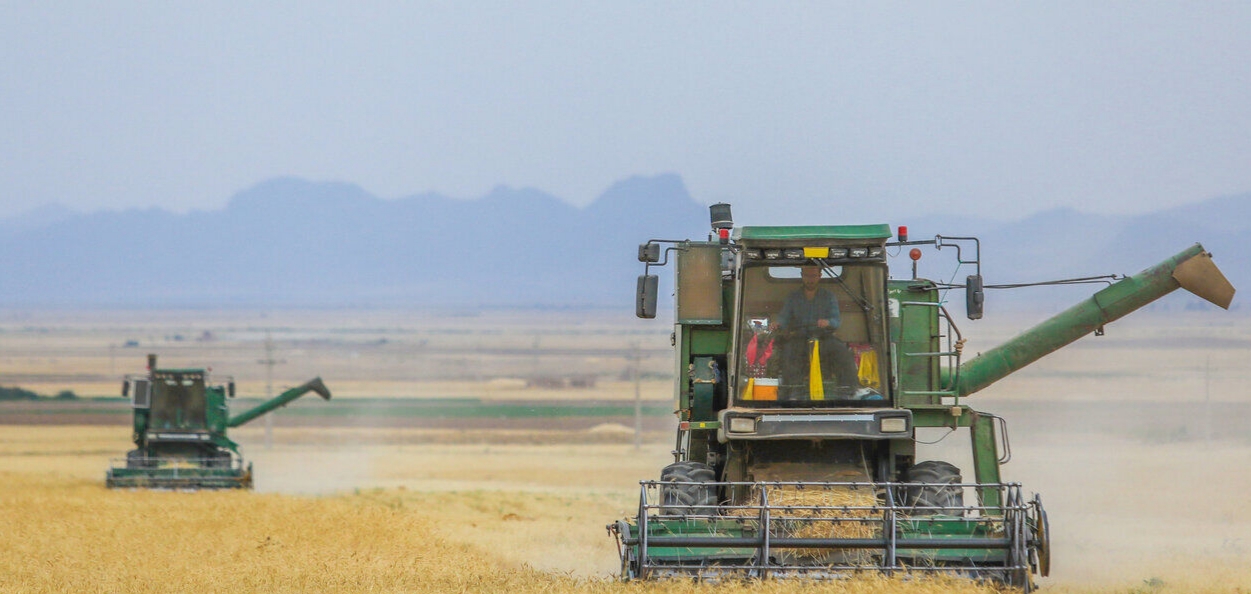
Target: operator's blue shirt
x=798 y=312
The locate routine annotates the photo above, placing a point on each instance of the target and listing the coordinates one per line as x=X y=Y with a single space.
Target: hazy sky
x=855 y=109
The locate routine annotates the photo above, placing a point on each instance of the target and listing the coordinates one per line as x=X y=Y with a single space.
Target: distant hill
x=1065 y=243
x=291 y=242
x=37 y=218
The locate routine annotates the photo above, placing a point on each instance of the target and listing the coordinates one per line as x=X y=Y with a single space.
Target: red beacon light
x=903 y=234
x=724 y=235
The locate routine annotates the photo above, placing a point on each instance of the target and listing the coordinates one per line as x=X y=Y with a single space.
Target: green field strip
x=436 y=408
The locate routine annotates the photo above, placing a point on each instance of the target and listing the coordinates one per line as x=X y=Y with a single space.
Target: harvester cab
x=807 y=371
x=180 y=423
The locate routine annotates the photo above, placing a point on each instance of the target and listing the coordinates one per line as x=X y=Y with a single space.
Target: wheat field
x=421 y=518
x=64 y=532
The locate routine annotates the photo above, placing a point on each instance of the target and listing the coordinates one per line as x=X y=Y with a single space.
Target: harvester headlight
x=794 y=254
x=859 y=252
x=875 y=252
x=894 y=425
x=838 y=252
x=751 y=254
x=742 y=425
x=772 y=254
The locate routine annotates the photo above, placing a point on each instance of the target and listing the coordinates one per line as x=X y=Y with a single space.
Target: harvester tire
x=1041 y=553
x=684 y=499
x=138 y=459
x=219 y=460
x=939 y=488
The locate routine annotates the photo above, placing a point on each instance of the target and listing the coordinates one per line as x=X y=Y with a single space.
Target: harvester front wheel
x=1040 y=553
x=138 y=459
x=218 y=460
x=687 y=495
x=937 y=487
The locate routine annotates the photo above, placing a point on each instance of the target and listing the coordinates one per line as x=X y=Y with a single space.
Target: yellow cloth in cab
x=868 y=372
x=816 y=387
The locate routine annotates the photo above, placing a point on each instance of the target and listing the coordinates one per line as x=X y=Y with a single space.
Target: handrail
x=951 y=355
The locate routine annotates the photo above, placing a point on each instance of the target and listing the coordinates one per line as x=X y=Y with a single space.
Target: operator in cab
x=810 y=315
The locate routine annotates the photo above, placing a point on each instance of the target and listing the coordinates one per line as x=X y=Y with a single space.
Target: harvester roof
x=827 y=232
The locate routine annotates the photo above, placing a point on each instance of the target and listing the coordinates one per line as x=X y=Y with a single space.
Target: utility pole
x=269 y=362
x=1207 y=400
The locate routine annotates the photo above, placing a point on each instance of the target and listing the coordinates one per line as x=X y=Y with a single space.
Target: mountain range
x=289 y=242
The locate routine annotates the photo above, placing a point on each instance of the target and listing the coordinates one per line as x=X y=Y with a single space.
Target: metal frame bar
x=174 y=464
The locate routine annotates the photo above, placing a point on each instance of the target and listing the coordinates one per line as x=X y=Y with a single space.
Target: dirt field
x=358 y=353
x=1138 y=441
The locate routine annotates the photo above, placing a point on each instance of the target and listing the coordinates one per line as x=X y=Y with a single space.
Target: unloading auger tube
x=1192 y=269
x=281 y=400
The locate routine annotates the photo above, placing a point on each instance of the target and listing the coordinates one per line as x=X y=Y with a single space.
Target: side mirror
x=143 y=394
x=645 y=297
x=125 y=389
x=974 y=298
x=230 y=389
x=649 y=252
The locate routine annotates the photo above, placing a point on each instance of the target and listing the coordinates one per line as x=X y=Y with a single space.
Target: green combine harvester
x=806 y=371
x=180 y=431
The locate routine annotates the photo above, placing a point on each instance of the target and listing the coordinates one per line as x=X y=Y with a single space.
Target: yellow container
x=765 y=388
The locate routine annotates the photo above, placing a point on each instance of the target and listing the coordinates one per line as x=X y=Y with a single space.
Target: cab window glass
x=808 y=338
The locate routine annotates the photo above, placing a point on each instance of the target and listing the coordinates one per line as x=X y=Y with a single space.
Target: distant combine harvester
x=181 y=419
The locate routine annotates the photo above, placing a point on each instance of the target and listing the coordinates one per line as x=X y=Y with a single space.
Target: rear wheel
x=687 y=494
x=937 y=487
